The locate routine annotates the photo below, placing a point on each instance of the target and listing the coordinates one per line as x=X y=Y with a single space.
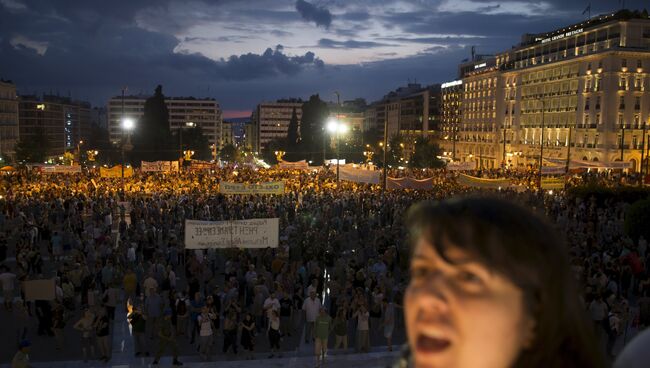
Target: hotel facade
x=585 y=86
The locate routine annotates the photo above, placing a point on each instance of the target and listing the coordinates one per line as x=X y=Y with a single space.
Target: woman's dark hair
x=525 y=249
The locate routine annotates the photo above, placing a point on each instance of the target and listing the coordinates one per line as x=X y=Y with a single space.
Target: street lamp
x=335 y=127
x=128 y=125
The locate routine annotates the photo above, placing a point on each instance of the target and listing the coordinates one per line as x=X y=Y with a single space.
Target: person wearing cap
x=167 y=337
x=21 y=359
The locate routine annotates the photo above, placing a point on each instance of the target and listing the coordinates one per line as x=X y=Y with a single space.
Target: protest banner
x=61 y=169
x=475 y=182
x=298 y=165
x=197 y=165
x=461 y=166
x=175 y=166
x=553 y=170
x=409 y=183
x=271 y=187
x=253 y=233
x=156 y=166
x=585 y=164
x=552 y=183
x=115 y=172
x=359 y=175
x=39 y=289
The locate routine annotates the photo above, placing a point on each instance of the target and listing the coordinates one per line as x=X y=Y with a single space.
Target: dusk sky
x=242 y=52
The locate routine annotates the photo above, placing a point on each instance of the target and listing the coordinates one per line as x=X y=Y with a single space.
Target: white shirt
x=362 y=321
x=206 y=325
x=311 y=308
x=149 y=284
x=271 y=304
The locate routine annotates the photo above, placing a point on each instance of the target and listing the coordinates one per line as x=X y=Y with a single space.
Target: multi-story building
x=8 y=121
x=65 y=122
x=410 y=112
x=271 y=120
x=250 y=134
x=451 y=117
x=204 y=113
x=583 y=85
x=227 y=134
x=477 y=133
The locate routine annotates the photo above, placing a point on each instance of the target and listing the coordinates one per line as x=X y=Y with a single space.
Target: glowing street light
x=336 y=127
x=128 y=124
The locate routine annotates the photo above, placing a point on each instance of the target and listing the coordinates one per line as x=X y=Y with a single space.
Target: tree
x=33 y=148
x=195 y=140
x=229 y=153
x=152 y=139
x=395 y=152
x=268 y=153
x=425 y=154
x=312 y=134
x=98 y=141
x=293 y=139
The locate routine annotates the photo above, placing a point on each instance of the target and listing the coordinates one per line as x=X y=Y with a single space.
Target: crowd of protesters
x=341 y=265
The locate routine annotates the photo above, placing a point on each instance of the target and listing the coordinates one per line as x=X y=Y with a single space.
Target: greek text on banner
x=253 y=233
x=271 y=187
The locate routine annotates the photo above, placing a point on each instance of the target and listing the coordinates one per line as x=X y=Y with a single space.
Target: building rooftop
x=621 y=15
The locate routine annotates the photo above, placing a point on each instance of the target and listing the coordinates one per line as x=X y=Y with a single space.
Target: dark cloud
x=312 y=13
x=349 y=44
x=94 y=47
x=355 y=16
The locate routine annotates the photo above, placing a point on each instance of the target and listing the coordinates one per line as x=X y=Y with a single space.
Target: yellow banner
x=552 y=183
x=115 y=172
x=476 y=182
x=271 y=187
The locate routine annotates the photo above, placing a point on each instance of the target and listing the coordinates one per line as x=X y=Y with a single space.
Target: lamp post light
x=541 y=148
x=335 y=127
x=127 y=126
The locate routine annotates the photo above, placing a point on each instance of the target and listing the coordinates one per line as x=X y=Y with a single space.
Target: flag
x=587 y=9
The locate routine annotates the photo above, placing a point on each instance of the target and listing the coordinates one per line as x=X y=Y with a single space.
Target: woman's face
x=462 y=315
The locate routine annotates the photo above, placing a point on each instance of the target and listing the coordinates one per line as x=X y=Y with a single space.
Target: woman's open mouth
x=431 y=345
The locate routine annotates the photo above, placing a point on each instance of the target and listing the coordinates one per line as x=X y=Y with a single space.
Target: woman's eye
x=469 y=277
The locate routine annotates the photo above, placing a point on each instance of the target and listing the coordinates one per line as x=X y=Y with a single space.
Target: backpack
x=181 y=309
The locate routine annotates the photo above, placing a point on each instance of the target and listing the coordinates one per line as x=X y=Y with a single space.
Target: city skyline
x=242 y=53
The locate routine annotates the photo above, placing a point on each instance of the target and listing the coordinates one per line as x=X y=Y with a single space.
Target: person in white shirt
x=7 y=279
x=206 y=332
x=363 y=338
x=311 y=306
x=150 y=284
x=271 y=304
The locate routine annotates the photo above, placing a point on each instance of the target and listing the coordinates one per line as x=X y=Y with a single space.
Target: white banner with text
x=253 y=233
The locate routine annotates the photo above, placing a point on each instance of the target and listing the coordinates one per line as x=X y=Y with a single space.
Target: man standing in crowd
x=311 y=307
x=7 y=279
x=167 y=339
x=322 y=330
